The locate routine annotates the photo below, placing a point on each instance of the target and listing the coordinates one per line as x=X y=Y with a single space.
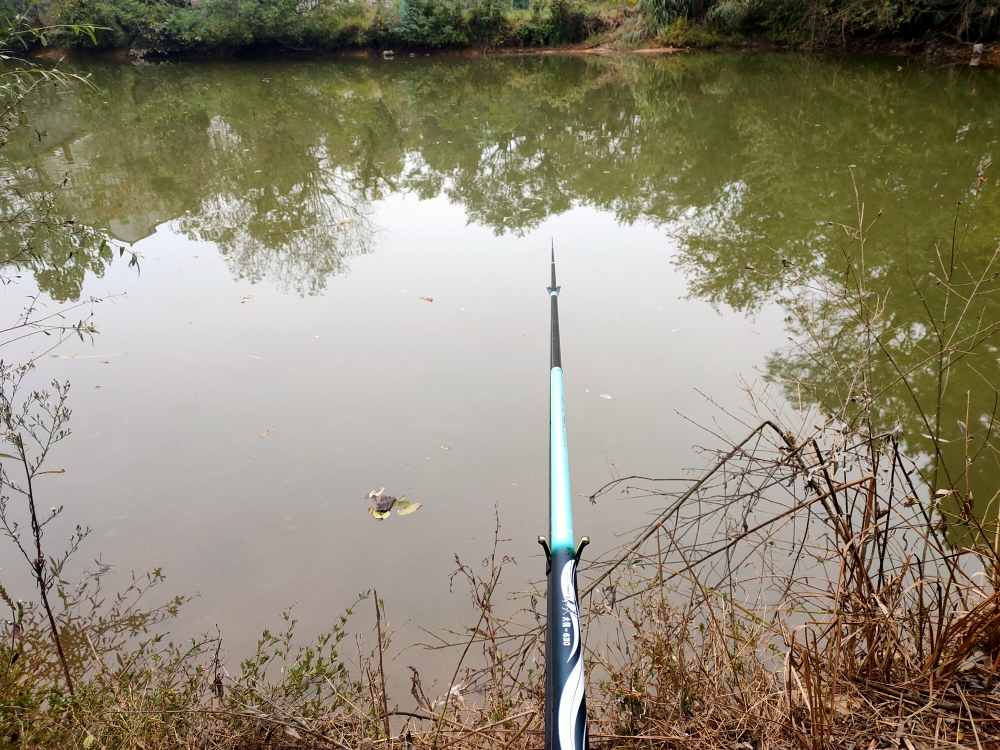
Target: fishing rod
x=565 y=705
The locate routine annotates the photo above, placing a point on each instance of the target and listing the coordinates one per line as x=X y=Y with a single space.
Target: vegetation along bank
x=316 y=26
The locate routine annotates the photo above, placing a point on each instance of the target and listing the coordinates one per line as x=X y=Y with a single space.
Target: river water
x=341 y=287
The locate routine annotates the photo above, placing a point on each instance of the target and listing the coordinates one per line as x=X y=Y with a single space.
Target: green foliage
x=426 y=23
x=162 y=25
x=660 y=13
x=819 y=21
x=202 y=25
x=571 y=22
x=156 y=690
x=118 y=22
x=685 y=33
x=166 y=25
x=311 y=677
x=713 y=22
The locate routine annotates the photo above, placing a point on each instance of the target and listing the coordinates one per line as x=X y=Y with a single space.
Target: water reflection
x=745 y=158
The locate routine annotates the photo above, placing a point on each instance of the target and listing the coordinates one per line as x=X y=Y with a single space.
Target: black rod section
x=555 y=359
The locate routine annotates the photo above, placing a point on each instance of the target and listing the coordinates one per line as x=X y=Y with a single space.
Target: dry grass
x=899 y=647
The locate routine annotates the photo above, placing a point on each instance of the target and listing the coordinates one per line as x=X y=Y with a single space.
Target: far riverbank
x=295 y=28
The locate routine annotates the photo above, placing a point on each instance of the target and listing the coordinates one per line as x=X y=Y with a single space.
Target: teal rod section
x=560 y=500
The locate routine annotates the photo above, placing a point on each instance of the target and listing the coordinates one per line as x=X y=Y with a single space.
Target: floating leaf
x=445 y=448
x=410 y=508
x=376 y=493
x=427 y=299
x=244 y=298
x=267 y=432
x=52 y=471
x=380 y=516
x=88 y=740
x=944 y=493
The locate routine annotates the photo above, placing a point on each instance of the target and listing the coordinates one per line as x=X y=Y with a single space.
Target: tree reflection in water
x=746 y=159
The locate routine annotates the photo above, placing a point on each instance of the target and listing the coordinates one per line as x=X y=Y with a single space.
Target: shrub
x=571 y=22
x=171 y=25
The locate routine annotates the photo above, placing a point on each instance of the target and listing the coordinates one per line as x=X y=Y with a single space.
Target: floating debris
x=267 y=432
x=605 y=395
x=383 y=505
x=445 y=448
x=427 y=299
x=937 y=440
x=244 y=298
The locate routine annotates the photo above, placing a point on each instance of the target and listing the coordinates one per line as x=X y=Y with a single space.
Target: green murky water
x=292 y=218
